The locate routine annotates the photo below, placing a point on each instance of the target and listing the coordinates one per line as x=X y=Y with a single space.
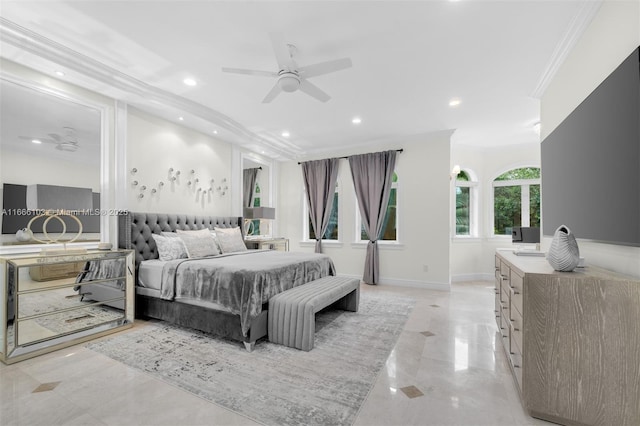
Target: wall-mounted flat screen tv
x=591 y=163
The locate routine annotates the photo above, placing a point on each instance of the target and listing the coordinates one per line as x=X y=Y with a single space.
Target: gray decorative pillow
x=169 y=248
x=199 y=243
x=230 y=239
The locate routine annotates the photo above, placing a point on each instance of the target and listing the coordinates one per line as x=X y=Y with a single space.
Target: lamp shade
x=52 y=197
x=259 y=213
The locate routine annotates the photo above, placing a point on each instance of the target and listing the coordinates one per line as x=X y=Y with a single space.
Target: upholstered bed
x=227 y=294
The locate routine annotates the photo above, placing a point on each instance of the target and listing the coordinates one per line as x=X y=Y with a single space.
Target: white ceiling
x=410 y=58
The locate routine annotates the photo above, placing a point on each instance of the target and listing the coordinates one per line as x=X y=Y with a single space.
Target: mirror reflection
x=256 y=178
x=50 y=149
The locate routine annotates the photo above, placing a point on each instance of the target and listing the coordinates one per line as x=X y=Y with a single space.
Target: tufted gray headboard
x=135 y=229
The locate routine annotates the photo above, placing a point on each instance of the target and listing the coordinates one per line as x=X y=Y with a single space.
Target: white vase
x=24 y=235
x=564 y=254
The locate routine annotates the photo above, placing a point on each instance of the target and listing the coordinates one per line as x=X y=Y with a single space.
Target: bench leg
x=350 y=301
x=249 y=346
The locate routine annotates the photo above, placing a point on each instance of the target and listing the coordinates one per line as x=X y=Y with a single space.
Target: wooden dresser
x=572 y=340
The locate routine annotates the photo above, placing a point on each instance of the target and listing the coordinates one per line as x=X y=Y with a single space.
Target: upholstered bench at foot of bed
x=291 y=316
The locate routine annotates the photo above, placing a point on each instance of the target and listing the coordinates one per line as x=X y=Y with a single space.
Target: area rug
x=274 y=384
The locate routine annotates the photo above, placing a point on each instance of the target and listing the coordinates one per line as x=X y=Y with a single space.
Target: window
x=516 y=200
x=463 y=216
x=390 y=224
x=255 y=229
x=332 y=229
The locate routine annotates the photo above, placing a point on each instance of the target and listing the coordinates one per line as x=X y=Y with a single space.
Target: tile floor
x=447 y=368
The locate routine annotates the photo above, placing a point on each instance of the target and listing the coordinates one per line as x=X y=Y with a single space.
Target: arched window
x=390 y=225
x=465 y=196
x=516 y=200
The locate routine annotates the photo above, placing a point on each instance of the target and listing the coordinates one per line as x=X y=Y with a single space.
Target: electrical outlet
x=425 y=268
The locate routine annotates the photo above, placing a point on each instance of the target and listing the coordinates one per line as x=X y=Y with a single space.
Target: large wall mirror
x=257 y=192
x=51 y=146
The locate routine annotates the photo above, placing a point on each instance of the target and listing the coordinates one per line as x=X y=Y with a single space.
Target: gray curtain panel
x=249 y=177
x=320 y=184
x=372 y=174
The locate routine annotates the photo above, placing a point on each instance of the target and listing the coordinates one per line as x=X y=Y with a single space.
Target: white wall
x=23 y=169
x=610 y=38
x=153 y=146
x=473 y=258
x=423 y=215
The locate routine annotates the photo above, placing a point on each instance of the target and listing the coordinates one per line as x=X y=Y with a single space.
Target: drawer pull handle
x=79 y=318
x=504 y=277
x=505 y=307
x=516 y=366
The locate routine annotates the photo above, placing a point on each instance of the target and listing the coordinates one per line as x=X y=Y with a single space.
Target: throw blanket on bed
x=242 y=281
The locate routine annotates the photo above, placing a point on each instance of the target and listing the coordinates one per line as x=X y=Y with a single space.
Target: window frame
x=358 y=220
x=472 y=184
x=525 y=198
x=305 y=218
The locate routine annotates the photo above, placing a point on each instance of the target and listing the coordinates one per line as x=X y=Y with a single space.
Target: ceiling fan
x=290 y=76
x=66 y=142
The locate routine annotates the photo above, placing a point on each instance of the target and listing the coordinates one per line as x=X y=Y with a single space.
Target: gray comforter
x=242 y=281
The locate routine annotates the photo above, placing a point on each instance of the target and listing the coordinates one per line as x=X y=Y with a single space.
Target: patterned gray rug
x=274 y=384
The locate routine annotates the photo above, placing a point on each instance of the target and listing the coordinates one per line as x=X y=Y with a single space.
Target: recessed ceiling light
x=454 y=102
x=181 y=118
x=356 y=120
x=36 y=141
x=215 y=132
x=285 y=134
x=189 y=81
x=59 y=73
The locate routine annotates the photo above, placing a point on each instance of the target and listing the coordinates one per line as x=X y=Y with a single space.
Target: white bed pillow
x=230 y=239
x=199 y=243
x=170 y=248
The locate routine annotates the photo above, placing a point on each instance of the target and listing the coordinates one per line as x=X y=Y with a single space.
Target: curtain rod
x=346 y=158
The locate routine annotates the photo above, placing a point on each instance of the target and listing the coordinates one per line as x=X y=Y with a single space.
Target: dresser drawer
x=52 y=325
x=515 y=358
x=516 y=288
x=515 y=325
x=504 y=329
x=43 y=302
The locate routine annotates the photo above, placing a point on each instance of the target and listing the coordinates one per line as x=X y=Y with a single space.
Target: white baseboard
x=399 y=282
x=472 y=277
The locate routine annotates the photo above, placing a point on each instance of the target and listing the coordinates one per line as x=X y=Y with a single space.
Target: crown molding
x=43 y=47
x=574 y=31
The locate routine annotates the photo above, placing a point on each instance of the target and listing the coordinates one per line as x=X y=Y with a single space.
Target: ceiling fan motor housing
x=288 y=81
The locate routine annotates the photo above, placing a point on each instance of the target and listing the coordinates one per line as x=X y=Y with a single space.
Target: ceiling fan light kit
x=289 y=82
x=291 y=77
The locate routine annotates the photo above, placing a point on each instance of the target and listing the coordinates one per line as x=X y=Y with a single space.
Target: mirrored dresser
x=55 y=299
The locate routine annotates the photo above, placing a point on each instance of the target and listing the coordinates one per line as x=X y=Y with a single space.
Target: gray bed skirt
x=220 y=323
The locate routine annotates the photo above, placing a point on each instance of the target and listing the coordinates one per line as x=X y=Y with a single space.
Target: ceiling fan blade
x=313 y=91
x=250 y=72
x=325 y=67
x=55 y=136
x=281 y=51
x=275 y=91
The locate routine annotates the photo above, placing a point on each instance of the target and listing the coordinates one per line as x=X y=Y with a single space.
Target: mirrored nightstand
x=281 y=244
